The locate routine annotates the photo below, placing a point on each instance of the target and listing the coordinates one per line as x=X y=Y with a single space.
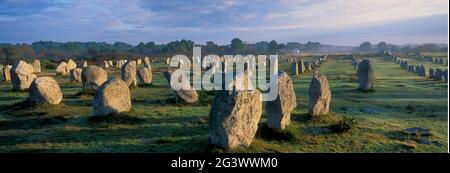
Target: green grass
x=155 y=124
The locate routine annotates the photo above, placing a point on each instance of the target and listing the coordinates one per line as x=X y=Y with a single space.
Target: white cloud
x=350 y=13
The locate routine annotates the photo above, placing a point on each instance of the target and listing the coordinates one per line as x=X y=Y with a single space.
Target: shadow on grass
x=267 y=133
x=86 y=93
x=31 y=123
x=115 y=119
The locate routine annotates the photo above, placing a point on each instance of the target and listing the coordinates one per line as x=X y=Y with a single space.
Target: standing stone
x=70 y=65
x=106 y=64
x=22 y=75
x=319 y=95
x=7 y=73
x=75 y=75
x=92 y=77
x=45 y=90
x=438 y=75
x=139 y=61
x=316 y=64
x=366 y=76
x=36 y=66
x=62 y=69
x=412 y=68
x=431 y=73
x=111 y=63
x=294 y=69
x=146 y=62
x=405 y=65
x=308 y=66
x=128 y=73
x=186 y=93
x=118 y=65
x=145 y=75
x=301 y=67
x=111 y=98
x=279 y=110
x=234 y=117
x=168 y=61
x=85 y=64
x=445 y=75
x=354 y=62
x=421 y=71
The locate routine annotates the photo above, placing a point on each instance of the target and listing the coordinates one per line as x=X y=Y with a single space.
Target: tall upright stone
x=36 y=66
x=319 y=95
x=431 y=73
x=355 y=62
x=145 y=75
x=279 y=110
x=366 y=76
x=85 y=64
x=301 y=67
x=75 y=75
x=62 y=69
x=105 y=64
x=294 y=68
x=234 y=117
x=445 y=75
x=70 y=65
x=22 y=75
x=112 y=98
x=186 y=92
x=92 y=77
x=45 y=90
x=139 y=61
x=421 y=71
x=438 y=74
x=118 y=64
x=412 y=68
x=128 y=73
x=7 y=73
x=146 y=61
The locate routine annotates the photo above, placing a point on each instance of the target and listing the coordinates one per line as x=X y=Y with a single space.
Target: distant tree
x=237 y=46
x=394 y=48
x=383 y=47
x=293 y=45
x=429 y=47
x=273 y=47
x=261 y=47
x=365 y=47
x=2 y=53
x=211 y=48
x=311 y=47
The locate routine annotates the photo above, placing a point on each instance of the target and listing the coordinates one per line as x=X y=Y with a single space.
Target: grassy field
x=156 y=124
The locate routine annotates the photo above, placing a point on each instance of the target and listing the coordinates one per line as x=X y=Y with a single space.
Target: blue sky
x=339 y=22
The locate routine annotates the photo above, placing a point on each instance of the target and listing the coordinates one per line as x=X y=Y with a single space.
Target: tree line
x=367 y=47
x=97 y=51
x=56 y=51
